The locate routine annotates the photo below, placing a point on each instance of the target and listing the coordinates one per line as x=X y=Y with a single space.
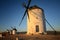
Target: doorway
x=37 y=28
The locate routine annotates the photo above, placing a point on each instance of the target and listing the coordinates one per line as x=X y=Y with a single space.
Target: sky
x=11 y=12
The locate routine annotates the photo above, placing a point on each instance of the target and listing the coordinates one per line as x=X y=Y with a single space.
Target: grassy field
x=31 y=37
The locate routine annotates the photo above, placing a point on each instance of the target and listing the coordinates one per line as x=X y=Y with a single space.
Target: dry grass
x=31 y=37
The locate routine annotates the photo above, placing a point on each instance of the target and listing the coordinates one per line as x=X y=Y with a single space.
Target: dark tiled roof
x=34 y=7
x=14 y=29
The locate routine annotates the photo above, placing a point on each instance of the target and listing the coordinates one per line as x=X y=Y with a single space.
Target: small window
x=37 y=28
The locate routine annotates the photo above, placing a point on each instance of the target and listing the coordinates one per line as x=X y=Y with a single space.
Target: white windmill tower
x=35 y=20
x=14 y=30
x=36 y=25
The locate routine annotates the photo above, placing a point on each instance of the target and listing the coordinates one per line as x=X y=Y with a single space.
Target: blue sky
x=11 y=12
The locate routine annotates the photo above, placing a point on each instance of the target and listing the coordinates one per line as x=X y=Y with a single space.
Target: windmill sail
x=50 y=25
x=25 y=11
x=23 y=17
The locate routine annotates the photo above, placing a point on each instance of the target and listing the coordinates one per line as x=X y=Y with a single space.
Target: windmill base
x=44 y=33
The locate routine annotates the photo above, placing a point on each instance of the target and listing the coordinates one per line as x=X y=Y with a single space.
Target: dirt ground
x=30 y=37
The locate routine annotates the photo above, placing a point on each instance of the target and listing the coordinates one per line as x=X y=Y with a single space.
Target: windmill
x=14 y=28
x=13 y=31
x=7 y=30
x=35 y=19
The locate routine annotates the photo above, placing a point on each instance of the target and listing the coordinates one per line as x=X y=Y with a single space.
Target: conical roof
x=35 y=7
